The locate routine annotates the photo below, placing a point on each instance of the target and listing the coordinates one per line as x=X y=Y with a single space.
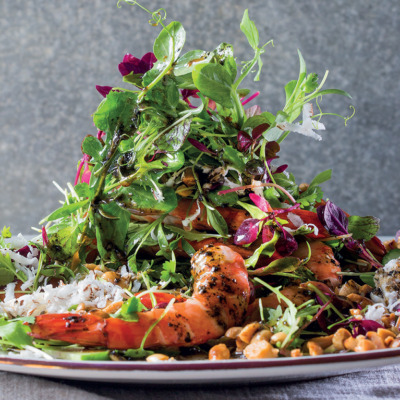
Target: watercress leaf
x=92 y=147
x=255 y=121
x=229 y=199
x=63 y=244
x=67 y=209
x=134 y=79
x=116 y=108
x=233 y=157
x=248 y=27
x=231 y=67
x=169 y=42
x=142 y=198
x=214 y=82
x=173 y=140
x=311 y=83
x=363 y=227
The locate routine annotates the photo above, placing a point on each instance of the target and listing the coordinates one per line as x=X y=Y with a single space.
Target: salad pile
x=182 y=176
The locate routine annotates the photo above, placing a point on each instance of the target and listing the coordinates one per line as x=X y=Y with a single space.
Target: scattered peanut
x=240 y=345
x=363 y=344
x=339 y=337
x=219 y=352
x=81 y=307
x=375 y=339
x=248 y=331
x=350 y=343
x=314 y=349
x=323 y=341
x=265 y=334
x=296 y=353
x=111 y=276
x=261 y=349
x=233 y=333
x=278 y=337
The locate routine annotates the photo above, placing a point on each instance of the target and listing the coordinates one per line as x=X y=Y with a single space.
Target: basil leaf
x=363 y=227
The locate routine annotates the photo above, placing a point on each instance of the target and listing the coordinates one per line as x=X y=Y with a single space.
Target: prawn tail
x=85 y=330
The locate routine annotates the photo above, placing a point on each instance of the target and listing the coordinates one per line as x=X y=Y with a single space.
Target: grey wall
x=53 y=53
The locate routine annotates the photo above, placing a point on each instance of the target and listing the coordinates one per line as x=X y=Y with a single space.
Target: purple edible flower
x=137 y=66
x=104 y=90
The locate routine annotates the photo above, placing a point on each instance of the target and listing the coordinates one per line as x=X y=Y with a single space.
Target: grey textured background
x=53 y=53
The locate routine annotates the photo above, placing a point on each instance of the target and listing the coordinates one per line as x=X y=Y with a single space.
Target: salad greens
x=175 y=150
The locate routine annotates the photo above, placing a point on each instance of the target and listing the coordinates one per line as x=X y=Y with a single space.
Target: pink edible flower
x=85 y=178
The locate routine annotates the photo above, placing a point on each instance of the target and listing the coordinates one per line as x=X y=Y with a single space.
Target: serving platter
x=215 y=372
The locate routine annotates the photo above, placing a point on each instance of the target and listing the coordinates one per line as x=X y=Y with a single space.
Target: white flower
x=307 y=127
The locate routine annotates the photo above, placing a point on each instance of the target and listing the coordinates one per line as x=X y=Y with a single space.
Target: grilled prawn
x=220 y=298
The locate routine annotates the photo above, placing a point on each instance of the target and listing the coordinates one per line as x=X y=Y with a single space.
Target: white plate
x=187 y=372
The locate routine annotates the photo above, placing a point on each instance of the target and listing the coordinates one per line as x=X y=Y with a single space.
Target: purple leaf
x=333 y=219
x=280 y=169
x=104 y=90
x=247 y=232
x=259 y=130
x=244 y=141
x=286 y=244
x=252 y=111
x=267 y=233
x=200 y=146
x=260 y=202
x=361 y=327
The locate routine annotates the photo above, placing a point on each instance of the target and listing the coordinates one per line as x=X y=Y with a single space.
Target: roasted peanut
x=375 y=339
x=260 y=349
x=111 y=276
x=233 y=333
x=323 y=341
x=81 y=307
x=364 y=344
x=265 y=334
x=248 y=331
x=278 y=337
x=219 y=352
x=350 y=343
x=339 y=338
x=240 y=345
x=296 y=353
x=314 y=349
